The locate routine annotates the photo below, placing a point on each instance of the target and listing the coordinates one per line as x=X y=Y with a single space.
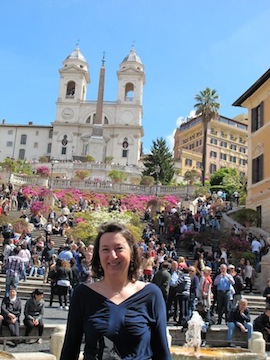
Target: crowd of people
x=208 y=282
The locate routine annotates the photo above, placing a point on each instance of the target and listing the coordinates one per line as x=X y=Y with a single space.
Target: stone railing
x=102 y=186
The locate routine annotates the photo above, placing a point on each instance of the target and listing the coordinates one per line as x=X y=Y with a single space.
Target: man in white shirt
x=256 y=249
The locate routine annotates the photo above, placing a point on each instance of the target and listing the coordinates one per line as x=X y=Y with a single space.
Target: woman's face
x=115 y=254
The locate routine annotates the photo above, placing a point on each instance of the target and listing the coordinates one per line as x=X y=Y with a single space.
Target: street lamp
x=51 y=179
x=157 y=171
x=187 y=194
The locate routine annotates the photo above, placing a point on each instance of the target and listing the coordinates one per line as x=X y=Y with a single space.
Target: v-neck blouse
x=137 y=326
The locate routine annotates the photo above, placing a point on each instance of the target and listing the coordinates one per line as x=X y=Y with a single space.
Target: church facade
x=100 y=129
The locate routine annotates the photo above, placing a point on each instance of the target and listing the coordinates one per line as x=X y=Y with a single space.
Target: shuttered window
x=257 y=169
x=257 y=117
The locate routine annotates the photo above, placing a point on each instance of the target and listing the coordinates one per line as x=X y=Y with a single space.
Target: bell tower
x=74 y=77
x=131 y=79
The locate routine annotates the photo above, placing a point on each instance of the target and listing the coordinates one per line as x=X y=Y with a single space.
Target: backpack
x=182 y=285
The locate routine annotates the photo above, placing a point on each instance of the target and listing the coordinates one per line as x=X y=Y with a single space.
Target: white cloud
x=179 y=121
x=170 y=140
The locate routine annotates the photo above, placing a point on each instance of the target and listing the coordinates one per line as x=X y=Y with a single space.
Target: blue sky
x=185 y=46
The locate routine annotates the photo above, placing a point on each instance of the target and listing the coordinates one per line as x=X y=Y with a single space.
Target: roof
x=252 y=89
x=132 y=56
x=76 y=54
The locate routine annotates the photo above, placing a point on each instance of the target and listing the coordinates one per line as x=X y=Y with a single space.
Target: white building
x=98 y=128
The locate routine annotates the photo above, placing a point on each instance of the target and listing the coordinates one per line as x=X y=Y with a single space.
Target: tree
x=218 y=176
x=159 y=163
x=206 y=106
x=88 y=159
x=147 y=181
x=191 y=176
x=82 y=174
x=117 y=176
x=229 y=180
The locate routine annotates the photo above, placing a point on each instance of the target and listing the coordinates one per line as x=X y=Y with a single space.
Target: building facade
x=226 y=144
x=257 y=100
x=101 y=129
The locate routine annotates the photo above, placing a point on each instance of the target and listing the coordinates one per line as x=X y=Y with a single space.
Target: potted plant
x=246 y=217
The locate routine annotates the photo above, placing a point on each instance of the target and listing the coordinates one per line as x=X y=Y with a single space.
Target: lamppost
x=157 y=171
x=187 y=194
x=51 y=179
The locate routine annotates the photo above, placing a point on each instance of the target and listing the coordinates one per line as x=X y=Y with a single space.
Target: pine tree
x=159 y=163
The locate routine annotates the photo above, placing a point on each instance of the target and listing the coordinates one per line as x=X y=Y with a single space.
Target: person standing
x=223 y=281
x=33 y=314
x=120 y=310
x=256 y=247
x=205 y=287
x=238 y=286
x=183 y=296
x=14 y=269
x=162 y=279
x=249 y=275
x=11 y=308
x=47 y=258
x=194 y=289
x=172 y=299
x=64 y=280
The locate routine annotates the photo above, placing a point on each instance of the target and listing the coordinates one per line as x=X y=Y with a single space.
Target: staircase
x=26 y=288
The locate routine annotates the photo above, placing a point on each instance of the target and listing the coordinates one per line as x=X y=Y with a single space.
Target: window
x=70 y=89
x=223 y=156
x=10 y=132
x=223 y=144
x=223 y=134
x=242 y=149
x=213 y=141
x=9 y=143
x=191 y=146
x=35 y=145
x=233 y=147
x=198 y=142
x=23 y=139
x=37 y=132
x=233 y=159
x=21 y=154
x=257 y=117
x=259 y=218
x=257 y=169
x=213 y=168
x=124 y=153
x=49 y=148
x=213 y=154
x=129 y=92
x=199 y=165
x=50 y=133
x=64 y=151
x=242 y=162
x=188 y=162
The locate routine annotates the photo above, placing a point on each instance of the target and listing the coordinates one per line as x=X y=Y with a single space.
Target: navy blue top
x=137 y=326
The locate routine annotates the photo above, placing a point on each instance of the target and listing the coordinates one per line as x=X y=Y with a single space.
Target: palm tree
x=206 y=106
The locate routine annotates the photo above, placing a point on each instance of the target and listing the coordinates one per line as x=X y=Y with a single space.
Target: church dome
x=76 y=54
x=132 y=56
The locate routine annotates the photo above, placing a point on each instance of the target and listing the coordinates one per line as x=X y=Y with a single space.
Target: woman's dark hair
x=115 y=227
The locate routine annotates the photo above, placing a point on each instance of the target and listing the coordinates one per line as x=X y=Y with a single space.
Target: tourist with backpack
x=183 y=296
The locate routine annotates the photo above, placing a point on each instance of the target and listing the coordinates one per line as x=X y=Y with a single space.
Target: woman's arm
x=159 y=341
x=74 y=330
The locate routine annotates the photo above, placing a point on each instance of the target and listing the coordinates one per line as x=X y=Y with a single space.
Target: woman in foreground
x=121 y=317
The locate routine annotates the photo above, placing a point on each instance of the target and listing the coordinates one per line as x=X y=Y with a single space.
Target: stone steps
x=26 y=288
